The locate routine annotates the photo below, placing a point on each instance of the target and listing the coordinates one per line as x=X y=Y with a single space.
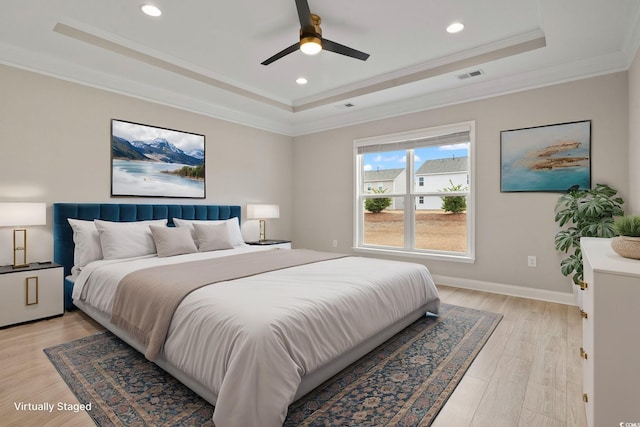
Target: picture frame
x=549 y=158
x=151 y=161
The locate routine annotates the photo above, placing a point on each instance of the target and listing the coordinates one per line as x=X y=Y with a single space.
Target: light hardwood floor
x=527 y=375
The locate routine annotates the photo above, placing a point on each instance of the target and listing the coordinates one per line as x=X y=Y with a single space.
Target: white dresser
x=611 y=335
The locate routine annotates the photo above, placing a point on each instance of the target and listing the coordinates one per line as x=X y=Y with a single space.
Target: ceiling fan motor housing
x=311 y=41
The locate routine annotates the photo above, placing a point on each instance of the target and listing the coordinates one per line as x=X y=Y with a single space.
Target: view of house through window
x=414 y=194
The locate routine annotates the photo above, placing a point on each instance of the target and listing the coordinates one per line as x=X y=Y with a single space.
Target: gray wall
x=509 y=226
x=55 y=139
x=55 y=147
x=634 y=137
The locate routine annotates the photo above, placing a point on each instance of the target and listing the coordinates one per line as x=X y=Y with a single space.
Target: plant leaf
x=566 y=239
x=567 y=266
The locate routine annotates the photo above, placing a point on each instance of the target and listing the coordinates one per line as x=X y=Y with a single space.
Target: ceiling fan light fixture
x=310 y=45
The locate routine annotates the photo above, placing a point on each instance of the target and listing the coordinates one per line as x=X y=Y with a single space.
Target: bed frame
x=63 y=254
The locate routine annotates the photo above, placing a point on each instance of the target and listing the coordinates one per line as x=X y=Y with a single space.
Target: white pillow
x=87 y=243
x=232 y=223
x=172 y=241
x=126 y=239
x=212 y=237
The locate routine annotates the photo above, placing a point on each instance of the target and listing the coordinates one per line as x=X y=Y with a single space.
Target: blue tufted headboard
x=63 y=234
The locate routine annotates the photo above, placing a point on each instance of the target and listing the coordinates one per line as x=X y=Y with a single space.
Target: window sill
x=414 y=254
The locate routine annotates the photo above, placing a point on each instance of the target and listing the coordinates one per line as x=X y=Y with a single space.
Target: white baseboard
x=511 y=290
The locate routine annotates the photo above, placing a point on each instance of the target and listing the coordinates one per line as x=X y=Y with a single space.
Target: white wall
x=633 y=207
x=509 y=226
x=55 y=147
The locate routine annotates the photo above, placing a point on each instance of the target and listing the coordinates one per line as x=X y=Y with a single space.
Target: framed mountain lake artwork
x=149 y=161
x=546 y=158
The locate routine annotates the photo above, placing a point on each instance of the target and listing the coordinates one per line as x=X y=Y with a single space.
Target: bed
x=249 y=345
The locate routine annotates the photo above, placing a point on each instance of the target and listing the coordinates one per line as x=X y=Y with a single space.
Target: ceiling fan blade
x=343 y=50
x=304 y=15
x=282 y=53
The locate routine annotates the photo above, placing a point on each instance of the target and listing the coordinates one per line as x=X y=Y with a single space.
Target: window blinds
x=447 y=139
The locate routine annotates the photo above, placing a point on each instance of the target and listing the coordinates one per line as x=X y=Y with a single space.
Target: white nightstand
x=30 y=293
x=284 y=244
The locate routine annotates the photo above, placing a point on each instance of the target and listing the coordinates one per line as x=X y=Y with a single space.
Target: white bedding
x=251 y=340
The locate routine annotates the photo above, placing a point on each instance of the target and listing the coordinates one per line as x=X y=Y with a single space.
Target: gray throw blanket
x=146 y=299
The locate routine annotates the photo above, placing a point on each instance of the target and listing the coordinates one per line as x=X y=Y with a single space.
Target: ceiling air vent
x=470 y=74
x=345 y=106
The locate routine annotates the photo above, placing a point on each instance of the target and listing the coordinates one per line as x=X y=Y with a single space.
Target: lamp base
x=262 y=230
x=20 y=245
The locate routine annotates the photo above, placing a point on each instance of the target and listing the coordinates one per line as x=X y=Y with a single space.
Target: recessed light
x=151 y=10
x=301 y=81
x=456 y=27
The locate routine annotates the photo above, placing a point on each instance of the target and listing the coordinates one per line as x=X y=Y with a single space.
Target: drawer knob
x=583 y=285
x=584 y=314
x=585 y=398
x=583 y=354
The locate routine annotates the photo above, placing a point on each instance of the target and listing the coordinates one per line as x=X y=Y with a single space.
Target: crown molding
x=53 y=67
x=120 y=46
x=290 y=124
x=549 y=76
x=509 y=46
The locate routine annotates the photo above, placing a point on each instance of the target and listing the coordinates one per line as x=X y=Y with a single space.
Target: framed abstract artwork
x=546 y=158
x=149 y=161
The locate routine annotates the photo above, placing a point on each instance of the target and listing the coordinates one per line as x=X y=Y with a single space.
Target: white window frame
x=410 y=195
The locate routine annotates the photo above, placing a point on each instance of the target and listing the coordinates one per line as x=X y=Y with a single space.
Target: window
x=411 y=214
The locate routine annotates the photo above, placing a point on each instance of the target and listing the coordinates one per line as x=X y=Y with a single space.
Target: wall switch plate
x=532 y=261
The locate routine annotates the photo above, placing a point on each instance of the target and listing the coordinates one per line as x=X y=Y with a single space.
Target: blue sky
x=397 y=159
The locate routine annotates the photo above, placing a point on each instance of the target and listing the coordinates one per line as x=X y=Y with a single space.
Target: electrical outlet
x=335 y=243
x=532 y=261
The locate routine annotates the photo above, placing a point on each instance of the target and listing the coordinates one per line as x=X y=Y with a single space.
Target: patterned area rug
x=404 y=382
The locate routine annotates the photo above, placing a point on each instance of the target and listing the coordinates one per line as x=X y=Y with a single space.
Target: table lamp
x=262 y=212
x=20 y=215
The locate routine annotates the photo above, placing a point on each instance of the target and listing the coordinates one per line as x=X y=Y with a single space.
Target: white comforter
x=251 y=340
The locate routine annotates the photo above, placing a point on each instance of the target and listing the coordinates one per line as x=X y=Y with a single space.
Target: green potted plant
x=627 y=242
x=584 y=213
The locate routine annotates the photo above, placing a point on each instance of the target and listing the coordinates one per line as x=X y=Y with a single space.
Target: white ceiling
x=204 y=56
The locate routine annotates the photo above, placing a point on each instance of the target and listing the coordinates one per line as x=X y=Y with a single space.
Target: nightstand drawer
x=29 y=294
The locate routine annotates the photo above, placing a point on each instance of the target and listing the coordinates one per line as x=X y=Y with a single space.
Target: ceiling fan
x=311 y=40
